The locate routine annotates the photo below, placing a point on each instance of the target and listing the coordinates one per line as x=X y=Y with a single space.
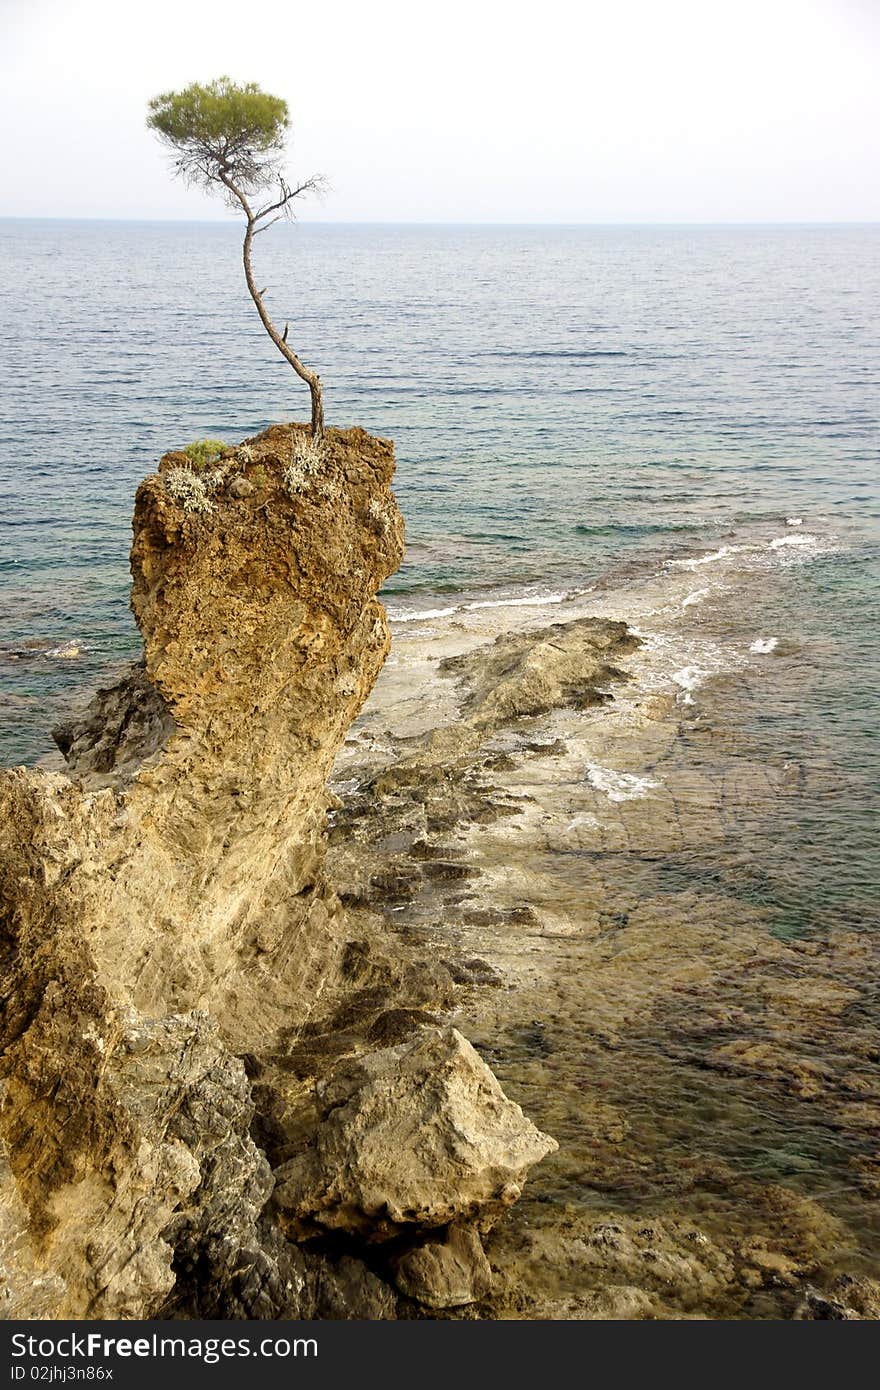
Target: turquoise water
x=564 y=401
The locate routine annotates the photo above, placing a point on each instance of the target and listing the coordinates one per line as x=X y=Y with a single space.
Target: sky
x=462 y=111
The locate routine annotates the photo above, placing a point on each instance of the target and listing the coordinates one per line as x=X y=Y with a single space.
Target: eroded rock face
x=122 y=727
x=448 y=1270
x=566 y=664
x=180 y=978
x=165 y=908
x=263 y=637
x=849 y=1299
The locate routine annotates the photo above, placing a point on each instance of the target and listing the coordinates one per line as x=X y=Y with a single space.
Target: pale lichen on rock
x=305 y=463
x=189 y=490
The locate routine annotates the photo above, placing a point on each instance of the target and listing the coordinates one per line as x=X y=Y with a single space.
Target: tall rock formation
x=178 y=973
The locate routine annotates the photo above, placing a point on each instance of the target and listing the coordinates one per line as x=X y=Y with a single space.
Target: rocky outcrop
x=179 y=973
x=568 y=664
x=578 y=842
x=849 y=1299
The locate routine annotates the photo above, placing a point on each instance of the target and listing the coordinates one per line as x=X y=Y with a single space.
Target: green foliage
x=229 y=138
x=204 y=451
x=222 y=126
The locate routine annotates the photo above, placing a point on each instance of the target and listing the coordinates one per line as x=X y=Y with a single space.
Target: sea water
x=570 y=406
x=567 y=403
x=675 y=425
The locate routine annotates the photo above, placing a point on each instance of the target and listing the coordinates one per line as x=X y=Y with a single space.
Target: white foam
x=794 y=521
x=690 y=677
x=709 y=559
x=532 y=601
x=618 y=786
x=397 y=615
x=696 y=597
x=762 y=645
x=781 y=541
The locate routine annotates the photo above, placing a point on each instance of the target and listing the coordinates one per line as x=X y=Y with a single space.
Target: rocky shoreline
x=543 y=792
x=265 y=1043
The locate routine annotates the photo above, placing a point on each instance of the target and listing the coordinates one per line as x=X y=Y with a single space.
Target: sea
x=568 y=405
x=576 y=410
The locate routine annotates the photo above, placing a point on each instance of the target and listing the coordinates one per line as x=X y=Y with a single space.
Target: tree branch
x=314 y=184
x=312 y=380
x=236 y=192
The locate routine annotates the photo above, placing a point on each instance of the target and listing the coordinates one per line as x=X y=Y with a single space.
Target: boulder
x=409 y=1137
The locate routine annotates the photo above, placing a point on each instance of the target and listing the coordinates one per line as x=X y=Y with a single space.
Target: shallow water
x=692 y=1005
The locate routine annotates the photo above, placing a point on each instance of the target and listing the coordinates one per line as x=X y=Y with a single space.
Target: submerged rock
x=449 y=1270
x=567 y=664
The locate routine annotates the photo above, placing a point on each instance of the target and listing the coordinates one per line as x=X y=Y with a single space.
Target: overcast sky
x=462 y=110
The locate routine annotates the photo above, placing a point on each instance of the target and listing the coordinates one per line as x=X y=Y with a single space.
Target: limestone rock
x=849 y=1299
x=565 y=664
x=175 y=957
x=413 y=1136
x=155 y=1161
x=120 y=728
x=165 y=907
x=448 y=1270
x=179 y=972
x=348 y=1289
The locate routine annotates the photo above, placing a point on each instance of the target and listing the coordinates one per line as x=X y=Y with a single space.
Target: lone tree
x=230 y=138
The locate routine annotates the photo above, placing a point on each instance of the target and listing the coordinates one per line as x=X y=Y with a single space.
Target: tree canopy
x=223 y=127
x=229 y=137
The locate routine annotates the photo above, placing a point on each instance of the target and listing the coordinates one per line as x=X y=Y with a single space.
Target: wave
x=399 y=615
x=40 y=650
x=530 y=600
x=648 y=528
x=781 y=541
x=566 y=354
x=689 y=679
x=695 y=561
x=696 y=597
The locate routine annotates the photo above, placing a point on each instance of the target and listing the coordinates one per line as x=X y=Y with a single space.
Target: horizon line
x=429 y=222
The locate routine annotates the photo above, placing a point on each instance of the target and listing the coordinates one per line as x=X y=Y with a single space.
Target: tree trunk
x=312 y=380
x=317 y=394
